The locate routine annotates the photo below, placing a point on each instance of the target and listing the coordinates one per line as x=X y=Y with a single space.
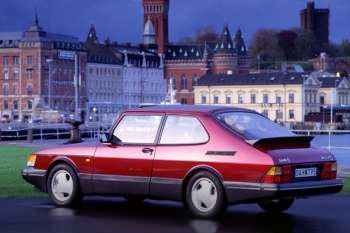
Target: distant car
x=207 y=157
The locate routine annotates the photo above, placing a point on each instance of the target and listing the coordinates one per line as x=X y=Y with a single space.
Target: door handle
x=147 y=150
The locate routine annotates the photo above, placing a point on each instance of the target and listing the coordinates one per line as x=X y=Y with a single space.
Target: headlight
x=31 y=160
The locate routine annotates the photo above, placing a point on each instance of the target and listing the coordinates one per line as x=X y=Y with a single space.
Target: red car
x=207 y=157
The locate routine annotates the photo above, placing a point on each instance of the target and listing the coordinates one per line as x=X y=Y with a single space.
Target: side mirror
x=104 y=138
x=115 y=140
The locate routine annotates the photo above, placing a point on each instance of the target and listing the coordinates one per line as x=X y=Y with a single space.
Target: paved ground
x=318 y=214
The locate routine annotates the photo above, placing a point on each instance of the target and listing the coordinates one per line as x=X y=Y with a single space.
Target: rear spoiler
x=281 y=140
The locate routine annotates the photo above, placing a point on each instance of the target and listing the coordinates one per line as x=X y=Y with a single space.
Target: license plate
x=305 y=172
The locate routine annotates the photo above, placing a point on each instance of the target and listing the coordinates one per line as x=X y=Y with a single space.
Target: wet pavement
x=317 y=214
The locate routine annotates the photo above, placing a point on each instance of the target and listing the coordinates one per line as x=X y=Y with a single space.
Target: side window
x=183 y=130
x=138 y=129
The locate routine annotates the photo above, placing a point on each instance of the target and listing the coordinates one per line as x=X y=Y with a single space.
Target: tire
x=276 y=206
x=63 y=186
x=205 y=196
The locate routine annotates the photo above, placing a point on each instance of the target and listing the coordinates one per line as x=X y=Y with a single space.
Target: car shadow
x=166 y=216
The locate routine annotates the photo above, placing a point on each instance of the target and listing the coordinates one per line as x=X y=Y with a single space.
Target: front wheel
x=63 y=186
x=205 y=195
x=277 y=205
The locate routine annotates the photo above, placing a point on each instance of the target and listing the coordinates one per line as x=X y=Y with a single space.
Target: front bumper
x=252 y=192
x=35 y=177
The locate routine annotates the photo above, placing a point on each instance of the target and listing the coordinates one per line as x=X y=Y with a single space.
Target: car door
x=126 y=168
x=179 y=149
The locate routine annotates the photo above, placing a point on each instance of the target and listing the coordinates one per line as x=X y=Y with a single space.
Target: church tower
x=157 y=11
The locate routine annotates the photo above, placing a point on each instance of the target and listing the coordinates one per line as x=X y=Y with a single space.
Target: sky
x=122 y=20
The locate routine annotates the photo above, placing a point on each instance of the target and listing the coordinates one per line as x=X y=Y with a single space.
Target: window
x=291 y=114
x=183 y=83
x=29 y=60
x=183 y=130
x=5 y=61
x=5 y=89
x=291 y=98
x=265 y=112
x=16 y=60
x=253 y=98
x=322 y=100
x=240 y=99
x=216 y=99
x=203 y=99
x=30 y=104
x=15 y=104
x=265 y=98
x=194 y=81
x=29 y=90
x=6 y=105
x=252 y=126
x=29 y=74
x=279 y=114
x=6 y=74
x=138 y=129
x=15 y=89
x=173 y=83
x=228 y=99
x=16 y=74
x=278 y=100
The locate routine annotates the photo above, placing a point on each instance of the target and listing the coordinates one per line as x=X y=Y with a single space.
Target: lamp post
x=50 y=62
x=334 y=98
x=331 y=123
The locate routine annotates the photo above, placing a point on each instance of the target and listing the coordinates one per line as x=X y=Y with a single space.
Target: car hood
x=300 y=155
x=85 y=148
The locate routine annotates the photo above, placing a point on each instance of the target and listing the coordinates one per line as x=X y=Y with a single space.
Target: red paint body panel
x=81 y=155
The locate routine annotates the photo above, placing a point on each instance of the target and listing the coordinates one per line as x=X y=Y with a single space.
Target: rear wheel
x=63 y=186
x=276 y=206
x=205 y=195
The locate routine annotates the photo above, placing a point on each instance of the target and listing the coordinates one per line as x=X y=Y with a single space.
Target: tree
x=305 y=45
x=344 y=48
x=265 y=45
x=286 y=41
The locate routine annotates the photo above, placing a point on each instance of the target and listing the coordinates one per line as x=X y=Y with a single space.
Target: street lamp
x=334 y=98
x=50 y=62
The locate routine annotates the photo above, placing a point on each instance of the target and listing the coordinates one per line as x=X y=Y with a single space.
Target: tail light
x=329 y=171
x=278 y=175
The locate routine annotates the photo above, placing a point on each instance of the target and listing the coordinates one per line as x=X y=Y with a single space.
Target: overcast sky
x=121 y=20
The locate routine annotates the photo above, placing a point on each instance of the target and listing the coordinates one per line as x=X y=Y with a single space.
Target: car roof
x=201 y=109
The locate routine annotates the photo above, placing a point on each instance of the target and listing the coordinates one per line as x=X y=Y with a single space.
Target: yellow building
x=283 y=97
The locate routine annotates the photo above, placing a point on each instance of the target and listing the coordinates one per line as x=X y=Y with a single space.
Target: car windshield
x=252 y=126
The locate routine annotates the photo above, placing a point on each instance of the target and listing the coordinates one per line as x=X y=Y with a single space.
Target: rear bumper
x=251 y=192
x=35 y=177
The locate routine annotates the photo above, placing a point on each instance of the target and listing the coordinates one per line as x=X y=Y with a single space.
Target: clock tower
x=157 y=11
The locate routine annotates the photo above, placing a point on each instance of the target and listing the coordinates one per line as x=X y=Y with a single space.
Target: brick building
x=26 y=61
x=316 y=21
x=185 y=63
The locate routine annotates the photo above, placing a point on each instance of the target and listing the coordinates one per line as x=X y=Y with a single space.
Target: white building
x=120 y=77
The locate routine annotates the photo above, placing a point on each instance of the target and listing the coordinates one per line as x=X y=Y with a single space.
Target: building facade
x=185 y=63
x=37 y=73
x=120 y=77
x=283 y=97
x=316 y=21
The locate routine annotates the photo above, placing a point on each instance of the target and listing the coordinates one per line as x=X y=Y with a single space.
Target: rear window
x=183 y=130
x=252 y=126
